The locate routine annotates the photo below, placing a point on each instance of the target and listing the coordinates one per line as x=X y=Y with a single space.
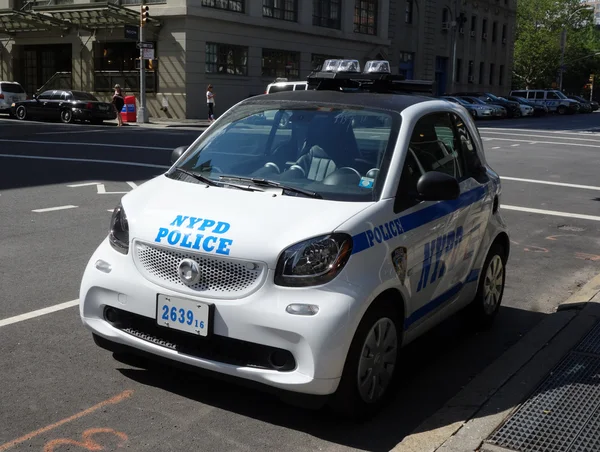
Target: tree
x=538 y=43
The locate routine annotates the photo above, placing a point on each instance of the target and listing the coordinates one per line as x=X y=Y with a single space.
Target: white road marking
x=75 y=131
x=52 y=209
x=561 y=132
x=545 y=182
x=515 y=145
x=496 y=147
x=543 y=136
x=72 y=143
x=132 y=184
x=69 y=159
x=551 y=212
x=87 y=184
x=551 y=142
x=100 y=187
x=38 y=313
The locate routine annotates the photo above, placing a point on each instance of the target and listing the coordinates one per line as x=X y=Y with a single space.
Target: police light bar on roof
x=341 y=66
x=377 y=67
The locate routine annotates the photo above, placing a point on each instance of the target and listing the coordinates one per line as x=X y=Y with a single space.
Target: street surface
x=61 y=391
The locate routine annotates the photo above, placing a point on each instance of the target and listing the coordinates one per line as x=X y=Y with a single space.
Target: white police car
x=304 y=256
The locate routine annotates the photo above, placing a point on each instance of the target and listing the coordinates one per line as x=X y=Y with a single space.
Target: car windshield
x=491 y=96
x=459 y=100
x=560 y=95
x=11 y=88
x=476 y=100
x=338 y=152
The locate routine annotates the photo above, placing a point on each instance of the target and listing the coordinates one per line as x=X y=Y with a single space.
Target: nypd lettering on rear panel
x=194 y=233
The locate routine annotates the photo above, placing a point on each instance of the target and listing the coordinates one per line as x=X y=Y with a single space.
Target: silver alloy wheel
x=377 y=360
x=66 y=116
x=492 y=285
x=21 y=112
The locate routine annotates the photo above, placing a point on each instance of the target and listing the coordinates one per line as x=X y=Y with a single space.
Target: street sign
x=145 y=45
x=131 y=32
x=148 y=54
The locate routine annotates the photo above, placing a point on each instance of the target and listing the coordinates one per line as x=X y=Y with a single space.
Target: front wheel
x=21 y=113
x=486 y=304
x=370 y=369
x=66 y=116
x=562 y=110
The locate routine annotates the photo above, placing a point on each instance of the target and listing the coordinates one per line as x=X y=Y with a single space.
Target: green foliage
x=538 y=44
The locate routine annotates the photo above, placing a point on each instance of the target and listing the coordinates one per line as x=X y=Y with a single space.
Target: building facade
x=240 y=46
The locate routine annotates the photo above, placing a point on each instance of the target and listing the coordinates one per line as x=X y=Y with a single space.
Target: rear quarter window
x=11 y=88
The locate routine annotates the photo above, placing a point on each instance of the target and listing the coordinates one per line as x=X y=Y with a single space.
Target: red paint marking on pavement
x=554 y=237
x=515 y=243
x=587 y=257
x=537 y=249
x=112 y=401
x=88 y=442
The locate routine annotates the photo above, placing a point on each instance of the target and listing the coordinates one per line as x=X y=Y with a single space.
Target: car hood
x=229 y=222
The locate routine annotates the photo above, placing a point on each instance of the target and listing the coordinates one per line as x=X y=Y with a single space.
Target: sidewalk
x=166 y=123
x=542 y=395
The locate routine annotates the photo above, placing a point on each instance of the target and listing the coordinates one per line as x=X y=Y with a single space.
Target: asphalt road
x=61 y=392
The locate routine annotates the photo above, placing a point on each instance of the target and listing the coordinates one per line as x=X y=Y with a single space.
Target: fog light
x=302 y=309
x=103 y=266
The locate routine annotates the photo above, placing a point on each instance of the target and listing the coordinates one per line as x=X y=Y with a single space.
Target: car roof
x=372 y=100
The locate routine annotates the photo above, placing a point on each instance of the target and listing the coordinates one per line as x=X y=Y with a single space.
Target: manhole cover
x=566 y=227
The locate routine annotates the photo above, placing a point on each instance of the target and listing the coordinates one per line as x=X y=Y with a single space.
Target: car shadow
x=433 y=369
x=584 y=122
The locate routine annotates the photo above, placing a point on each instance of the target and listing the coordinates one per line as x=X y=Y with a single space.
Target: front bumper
x=318 y=343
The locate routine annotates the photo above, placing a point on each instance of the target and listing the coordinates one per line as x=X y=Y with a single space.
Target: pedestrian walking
x=118 y=101
x=210 y=102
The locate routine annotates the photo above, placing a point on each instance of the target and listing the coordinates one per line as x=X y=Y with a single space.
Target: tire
x=66 y=116
x=349 y=401
x=517 y=114
x=21 y=113
x=562 y=110
x=486 y=304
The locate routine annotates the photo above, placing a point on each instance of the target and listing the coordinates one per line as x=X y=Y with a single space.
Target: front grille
x=215 y=348
x=221 y=277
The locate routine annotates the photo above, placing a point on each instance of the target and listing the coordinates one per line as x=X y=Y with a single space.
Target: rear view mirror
x=436 y=186
x=177 y=152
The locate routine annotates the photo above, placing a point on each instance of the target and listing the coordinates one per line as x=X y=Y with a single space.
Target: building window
x=408 y=13
x=279 y=63
x=229 y=5
x=445 y=16
x=407 y=65
x=458 y=68
x=473 y=25
x=504 y=34
x=281 y=9
x=226 y=59
x=484 y=29
x=470 y=75
x=365 y=17
x=317 y=60
x=494 y=31
x=115 y=63
x=327 y=13
x=481 y=75
x=492 y=73
x=501 y=75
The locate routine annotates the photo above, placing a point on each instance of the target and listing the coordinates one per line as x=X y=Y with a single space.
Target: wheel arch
x=502 y=240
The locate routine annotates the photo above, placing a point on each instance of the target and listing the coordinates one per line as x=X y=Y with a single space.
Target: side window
x=45 y=95
x=435 y=145
x=468 y=151
x=66 y=96
x=551 y=95
x=539 y=95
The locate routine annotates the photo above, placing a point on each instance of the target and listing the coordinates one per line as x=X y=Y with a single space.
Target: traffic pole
x=142 y=116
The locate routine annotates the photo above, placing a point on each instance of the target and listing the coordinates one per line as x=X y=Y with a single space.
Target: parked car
x=67 y=106
x=10 y=92
x=476 y=110
x=585 y=106
x=526 y=110
x=513 y=109
x=497 y=110
x=538 y=110
x=552 y=98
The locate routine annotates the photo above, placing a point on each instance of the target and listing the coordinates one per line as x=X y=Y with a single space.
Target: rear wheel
x=562 y=110
x=21 y=113
x=370 y=370
x=66 y=116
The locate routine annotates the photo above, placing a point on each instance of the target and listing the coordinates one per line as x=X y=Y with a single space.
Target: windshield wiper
x=208 y=181
x=272 y=183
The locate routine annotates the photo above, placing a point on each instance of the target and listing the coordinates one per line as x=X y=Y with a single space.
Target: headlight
x=313 y=262
x=119 y=230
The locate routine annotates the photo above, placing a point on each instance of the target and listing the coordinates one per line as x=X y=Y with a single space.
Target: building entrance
x=41 y=63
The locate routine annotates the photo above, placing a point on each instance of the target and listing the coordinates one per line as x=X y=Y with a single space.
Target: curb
x=477 y=410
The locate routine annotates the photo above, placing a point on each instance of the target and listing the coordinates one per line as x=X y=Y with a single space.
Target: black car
x=585 y=105
x=66 y=105
x=538 y=110
x=513 y=109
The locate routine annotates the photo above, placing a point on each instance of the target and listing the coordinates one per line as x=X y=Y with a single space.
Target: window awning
x=13 y=21
x=87 y=16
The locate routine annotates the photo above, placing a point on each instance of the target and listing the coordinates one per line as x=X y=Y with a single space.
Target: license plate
x=184 y=315
x=103 y=107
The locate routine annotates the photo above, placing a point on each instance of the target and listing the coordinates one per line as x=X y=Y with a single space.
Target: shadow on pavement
x=574 y=123
x=434 y=369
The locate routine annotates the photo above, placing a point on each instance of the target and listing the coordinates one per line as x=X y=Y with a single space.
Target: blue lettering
x=196 y=244
x=386 y=237
x=223 y=244
x=450 y=242
x=179 y=220
x=174 y=237
x=399 y=226
x=206 y=224
x=370 y=237
x=185 y=243
x=394 y=231
x=439 y=249
x=193 y=221
x=378 y=235
x=206 y=246
x=427 y=254
x=162 y=233
x=221 y=228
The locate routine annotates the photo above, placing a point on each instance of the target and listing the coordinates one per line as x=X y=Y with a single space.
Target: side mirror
x=35 y=96
x=436 y=186
x=177 y=152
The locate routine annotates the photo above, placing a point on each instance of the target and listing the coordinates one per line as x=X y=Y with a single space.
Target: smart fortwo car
x=304 y=256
